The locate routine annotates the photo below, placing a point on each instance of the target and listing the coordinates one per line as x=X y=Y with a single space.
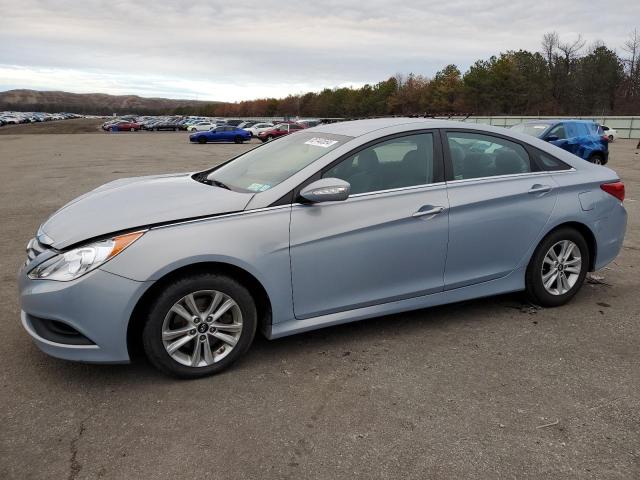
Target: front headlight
x=75 y=263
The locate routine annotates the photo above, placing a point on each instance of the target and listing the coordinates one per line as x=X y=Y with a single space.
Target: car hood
x=136 y=202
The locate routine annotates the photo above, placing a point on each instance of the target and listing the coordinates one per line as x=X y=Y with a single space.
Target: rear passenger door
x=498 y=205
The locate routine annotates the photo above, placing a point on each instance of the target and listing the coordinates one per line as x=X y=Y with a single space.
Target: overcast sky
x=235 y=50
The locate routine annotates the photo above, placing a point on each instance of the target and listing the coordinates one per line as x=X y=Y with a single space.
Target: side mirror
x=326 y=190
x=551 y=138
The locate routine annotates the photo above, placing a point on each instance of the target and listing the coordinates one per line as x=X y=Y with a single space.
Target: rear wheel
x=199 y=325
x=269 y=138
x=558 y=268
x=132 y=129
x=611 y=138
x=597 y=159
x=176 y=129
x=238 y=139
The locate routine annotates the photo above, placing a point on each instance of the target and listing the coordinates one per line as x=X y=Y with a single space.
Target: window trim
x=448 y=164
x=438 y=162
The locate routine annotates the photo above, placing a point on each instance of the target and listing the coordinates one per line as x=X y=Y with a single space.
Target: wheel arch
x=138 y=315
x=586 y=233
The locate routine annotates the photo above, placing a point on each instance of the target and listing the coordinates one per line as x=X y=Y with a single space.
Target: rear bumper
x=609 y=233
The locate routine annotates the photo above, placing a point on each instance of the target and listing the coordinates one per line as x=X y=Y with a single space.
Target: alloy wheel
x=561 y=267
x=202 y=328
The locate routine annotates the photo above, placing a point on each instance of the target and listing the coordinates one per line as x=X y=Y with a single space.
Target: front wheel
x=558 y=268
x=611 y=138
x=238 y=139
x=597 y=159
x=199 y=325
x=202 y=140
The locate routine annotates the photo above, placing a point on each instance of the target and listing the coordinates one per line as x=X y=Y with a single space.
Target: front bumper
x=98 y=305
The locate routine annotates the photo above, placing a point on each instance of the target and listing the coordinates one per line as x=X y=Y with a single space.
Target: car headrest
x=508 y=163
x=368 y=160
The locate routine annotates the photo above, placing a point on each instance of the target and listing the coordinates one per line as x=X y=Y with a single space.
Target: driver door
x=386 y=242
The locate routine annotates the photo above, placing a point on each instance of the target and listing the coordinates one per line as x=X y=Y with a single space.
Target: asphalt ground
x=493 y=388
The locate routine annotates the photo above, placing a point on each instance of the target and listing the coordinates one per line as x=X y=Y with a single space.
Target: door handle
x=537 y=188
x=429 y=211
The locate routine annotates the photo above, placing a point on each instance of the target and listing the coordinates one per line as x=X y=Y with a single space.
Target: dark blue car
x=226 y=133
x=583 y=138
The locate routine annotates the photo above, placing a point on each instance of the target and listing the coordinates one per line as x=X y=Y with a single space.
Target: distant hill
x=95 y=103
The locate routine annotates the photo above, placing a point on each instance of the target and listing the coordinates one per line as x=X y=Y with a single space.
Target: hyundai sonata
x=337 y=223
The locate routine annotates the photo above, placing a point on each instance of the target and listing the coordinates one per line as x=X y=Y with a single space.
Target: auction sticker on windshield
x=321 y=142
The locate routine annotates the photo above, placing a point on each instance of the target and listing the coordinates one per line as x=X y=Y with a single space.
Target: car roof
x=356 y=128
x=559 y=120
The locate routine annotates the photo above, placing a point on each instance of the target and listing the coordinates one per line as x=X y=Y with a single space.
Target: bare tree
x=550 y=43
x=570 y=50
x=632 y=47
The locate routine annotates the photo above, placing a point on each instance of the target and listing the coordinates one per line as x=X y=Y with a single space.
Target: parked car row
x=132 y=123
x=15 y=118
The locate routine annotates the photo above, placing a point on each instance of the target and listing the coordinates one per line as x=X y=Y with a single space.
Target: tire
x=204 y=288
x=540 y=265
x=156 y=129
x=238 y=139
x=611 y=138
x=269 y=138
x=132 y=129
x=596 y=159
x=176 y=129
x=202 y=140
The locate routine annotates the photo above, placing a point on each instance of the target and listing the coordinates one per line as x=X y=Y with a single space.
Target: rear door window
x=582 y=129
x=475 y=155
x=571 y=129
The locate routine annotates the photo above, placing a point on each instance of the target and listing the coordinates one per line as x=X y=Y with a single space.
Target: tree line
x=563 y=78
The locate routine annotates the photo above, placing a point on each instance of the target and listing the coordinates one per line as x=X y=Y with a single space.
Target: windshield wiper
x=218 y=183
x=203 y=177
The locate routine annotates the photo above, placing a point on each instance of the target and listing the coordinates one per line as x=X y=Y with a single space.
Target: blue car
x=583 y=138
x=226 y=133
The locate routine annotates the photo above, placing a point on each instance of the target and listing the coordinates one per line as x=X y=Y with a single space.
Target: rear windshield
x=533 y=129
x=266 y=166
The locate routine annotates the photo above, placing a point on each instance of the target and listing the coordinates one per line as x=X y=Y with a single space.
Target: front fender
x=255 y=241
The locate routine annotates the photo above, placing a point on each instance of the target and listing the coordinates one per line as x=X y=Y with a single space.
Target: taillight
x=605 y=138
x=616 y=189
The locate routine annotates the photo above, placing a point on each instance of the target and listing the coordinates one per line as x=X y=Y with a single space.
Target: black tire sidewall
x=152 y=332
x=533 y=280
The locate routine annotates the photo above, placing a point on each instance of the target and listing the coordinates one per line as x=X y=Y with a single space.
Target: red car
x=123 y=126
x=279 y=130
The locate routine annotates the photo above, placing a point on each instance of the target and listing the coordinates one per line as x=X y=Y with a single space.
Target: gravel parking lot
x=486 y=389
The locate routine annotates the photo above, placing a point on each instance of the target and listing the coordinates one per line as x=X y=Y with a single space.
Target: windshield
x=265 y=167
x=533 y=129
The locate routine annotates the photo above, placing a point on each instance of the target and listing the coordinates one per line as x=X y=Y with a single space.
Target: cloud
x=231 y=51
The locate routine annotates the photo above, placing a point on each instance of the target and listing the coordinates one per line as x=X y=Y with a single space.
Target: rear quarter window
x=550 y=164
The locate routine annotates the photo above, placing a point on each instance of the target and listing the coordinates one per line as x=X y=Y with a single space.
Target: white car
x=201 y=127
x=611 y=134
x=259 y=127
